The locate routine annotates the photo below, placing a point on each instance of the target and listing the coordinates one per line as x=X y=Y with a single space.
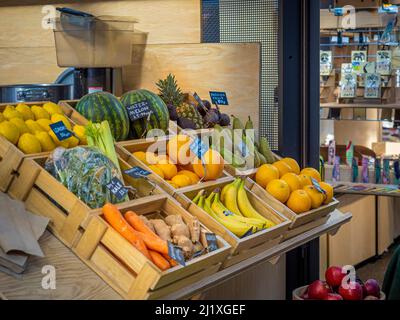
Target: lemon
x=59 y=117
x=40 y=113
x=58 y=143
x=181 y=180
x=72 y=141
x=80 y=132
x=10 y=113
x=25 y=111
x=46 y=142
x=9 y=131
x=29 y=144
x=22 y=127
x=2 y=117
x=44 y=124
x=33 y=126
x=52 y=108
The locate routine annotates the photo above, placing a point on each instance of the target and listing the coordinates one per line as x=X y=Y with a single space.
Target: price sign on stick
x=176 y=254
x=139 y=110
x=219 y=98
x=117 y=188
x=212 y=244
x=137 y=172
x=198 y=147
x=60 y=130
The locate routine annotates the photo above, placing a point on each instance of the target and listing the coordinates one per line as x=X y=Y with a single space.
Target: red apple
x=333 y=296
x=351 y=291
x=371 y=288
x=334 y=276
x=318 y=290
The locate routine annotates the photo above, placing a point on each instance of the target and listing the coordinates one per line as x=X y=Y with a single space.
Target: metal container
x=35 y=92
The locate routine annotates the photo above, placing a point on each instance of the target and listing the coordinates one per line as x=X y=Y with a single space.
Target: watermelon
x=146 y=111
x=100 y=106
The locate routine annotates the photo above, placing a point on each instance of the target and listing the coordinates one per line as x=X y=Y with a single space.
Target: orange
x=282 y=167
x=188 y=167
x=265 y=174
x=329 y=191
x=299 y=201
x=313 y=173
x=140 y=155
x=181 y=180
x=293 y=181
x=178 y=149
x=292 y=164
x=212 y=162
x=168 y=169
x=157 y=170
x=305 y=180
x=279 y=189
x=191 y=175
x=316 y=197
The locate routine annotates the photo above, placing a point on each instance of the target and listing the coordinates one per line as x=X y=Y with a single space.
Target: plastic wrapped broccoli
x=85 y=172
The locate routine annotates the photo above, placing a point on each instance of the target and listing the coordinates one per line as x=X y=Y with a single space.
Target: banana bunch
x=232 y=208
x=240 y=150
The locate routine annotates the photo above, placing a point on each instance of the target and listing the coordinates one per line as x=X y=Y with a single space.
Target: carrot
x=171 y=261
x=159 y=260
x=117 y=221
x=156 y=244
x=138 y=224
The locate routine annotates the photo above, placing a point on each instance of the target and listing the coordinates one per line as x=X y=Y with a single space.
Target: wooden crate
x=242 y=248
x=297 y=219
x=11 y=157
x=125 y=150
x=127 y=270
x=44 y=195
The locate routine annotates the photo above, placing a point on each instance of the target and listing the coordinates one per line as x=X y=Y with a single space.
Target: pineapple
x=187 y=115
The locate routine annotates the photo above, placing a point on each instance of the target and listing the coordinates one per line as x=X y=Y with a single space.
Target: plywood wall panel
x=233 y=68
x=166 y=21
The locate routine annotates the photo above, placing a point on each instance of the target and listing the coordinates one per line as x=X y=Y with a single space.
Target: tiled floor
x=376 y=268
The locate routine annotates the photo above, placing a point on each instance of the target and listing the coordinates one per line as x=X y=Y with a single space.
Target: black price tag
x=317 y=186
x=137 y=172
x=139 y=110
x=198 y=147
x=60 y=130
x=219 y=98
x=176 y=254
x=212 y=243
x=117 y=188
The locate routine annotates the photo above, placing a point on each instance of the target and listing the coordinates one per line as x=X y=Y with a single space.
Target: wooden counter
x=74 y=280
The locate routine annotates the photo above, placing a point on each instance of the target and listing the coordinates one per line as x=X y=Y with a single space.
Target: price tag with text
x=60 y=130
x=317 y=186
x=198 y=147
x=176 y=254
x=219 y=98
x=212 y=243
x=137 y=172
x=117 y=188
x=139 y=110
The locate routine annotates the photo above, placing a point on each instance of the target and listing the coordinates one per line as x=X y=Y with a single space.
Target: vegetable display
x=85 y=172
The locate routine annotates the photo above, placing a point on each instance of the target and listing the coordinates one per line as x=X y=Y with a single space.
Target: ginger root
x=161 y=228
x=185 y=244
x=147 y=223
x=180 y=230
x=174 y=219
x=194 y=228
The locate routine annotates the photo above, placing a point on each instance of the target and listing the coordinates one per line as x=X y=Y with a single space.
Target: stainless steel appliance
x=35 y=92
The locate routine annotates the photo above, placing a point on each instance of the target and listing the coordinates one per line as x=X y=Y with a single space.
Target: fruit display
x=231 y=207
x=153 y=236
x=300 y=190
x=340 y=285
x=179 y=166
x=101 y=106
x=159 y=118
x=29 y=128
x=239 y=146
x=189 y=114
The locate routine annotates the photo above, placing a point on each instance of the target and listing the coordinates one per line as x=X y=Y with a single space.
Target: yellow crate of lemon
x=300 y=194
x=172 y=164
x=25 y=131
